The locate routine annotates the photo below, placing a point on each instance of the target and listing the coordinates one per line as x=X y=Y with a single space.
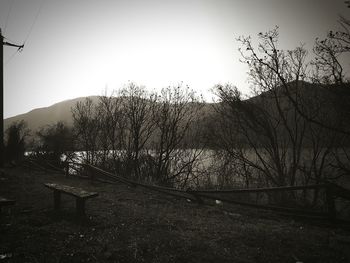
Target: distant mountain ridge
x=61 y=111
x=42 y=117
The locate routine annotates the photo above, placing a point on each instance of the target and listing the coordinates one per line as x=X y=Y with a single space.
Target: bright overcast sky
x=79 y=47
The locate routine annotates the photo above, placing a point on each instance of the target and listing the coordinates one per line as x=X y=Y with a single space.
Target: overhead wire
x=11 y=57
x=29 y=32
x=34 y=21
x=10 y=40
x=13 y=54
x=8 y=15
x=5 y=26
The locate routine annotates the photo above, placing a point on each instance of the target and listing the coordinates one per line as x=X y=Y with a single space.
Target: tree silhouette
x=56 y=140
x=15 y=145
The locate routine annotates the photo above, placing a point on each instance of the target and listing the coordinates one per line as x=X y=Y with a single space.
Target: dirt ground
x=126 y=224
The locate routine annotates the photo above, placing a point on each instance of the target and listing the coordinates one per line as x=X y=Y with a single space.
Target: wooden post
x=2 y=147
x=196 y=197
x=332 y=213
x=80 y=205
x=90 y=173
x=5 y=202
x=57 y=199
x=66 y=172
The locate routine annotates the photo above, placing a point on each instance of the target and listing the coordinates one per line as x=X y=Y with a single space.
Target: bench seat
x=70 y=190
x=6 y=202
x=80 y=194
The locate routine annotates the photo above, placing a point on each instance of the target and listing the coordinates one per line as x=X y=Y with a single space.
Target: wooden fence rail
x=257 y=190
x=332 y=192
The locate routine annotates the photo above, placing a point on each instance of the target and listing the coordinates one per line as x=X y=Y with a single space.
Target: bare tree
x=269 y=124
x=54 y=141
x=176 y=122
x=86 y=129
x=329 y=53
x=260 y=137
x=268 y=133
x=15 y=145
x=112 y=130
x=138 y=109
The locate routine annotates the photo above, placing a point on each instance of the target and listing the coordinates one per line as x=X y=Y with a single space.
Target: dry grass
x=134 y=225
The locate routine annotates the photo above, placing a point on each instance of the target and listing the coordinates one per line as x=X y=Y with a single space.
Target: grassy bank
x=126 y=224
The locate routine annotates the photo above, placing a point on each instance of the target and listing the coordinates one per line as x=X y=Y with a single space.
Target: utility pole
x=2 y=146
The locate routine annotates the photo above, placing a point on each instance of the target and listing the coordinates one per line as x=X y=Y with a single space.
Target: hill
x=329 y=98
x=61 y=111
x=41 y=117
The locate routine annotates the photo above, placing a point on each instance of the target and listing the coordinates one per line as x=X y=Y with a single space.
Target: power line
x=11 y=40
x=8 y=15
x=34 y=21
x=8 y=60
x=20 y=48
x=5 y=43
x=11 y=57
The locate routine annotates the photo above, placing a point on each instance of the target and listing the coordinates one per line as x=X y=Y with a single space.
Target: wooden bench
x=80 y=195
x=5 y=202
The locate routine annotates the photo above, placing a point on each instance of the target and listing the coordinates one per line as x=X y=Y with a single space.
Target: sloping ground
x=134 y=225
x=41 y=117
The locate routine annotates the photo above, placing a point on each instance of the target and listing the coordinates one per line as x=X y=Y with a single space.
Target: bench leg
x=80 y=202
x=56 y=199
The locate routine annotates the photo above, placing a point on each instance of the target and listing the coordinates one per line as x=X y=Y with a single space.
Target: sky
x=76 y=48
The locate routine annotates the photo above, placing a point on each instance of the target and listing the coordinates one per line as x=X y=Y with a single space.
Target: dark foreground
x=135 y=225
